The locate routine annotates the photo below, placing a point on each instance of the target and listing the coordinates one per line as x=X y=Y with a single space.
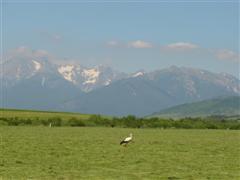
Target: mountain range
x=40 y=84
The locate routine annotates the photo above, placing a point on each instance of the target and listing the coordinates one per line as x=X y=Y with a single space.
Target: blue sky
x=128 y=36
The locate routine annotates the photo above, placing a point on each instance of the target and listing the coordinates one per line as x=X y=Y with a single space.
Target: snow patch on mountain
x=67 y=72
x=91 y=75
x=37 y=65
x=138 y=74
x=18 y=73
x=107 y=82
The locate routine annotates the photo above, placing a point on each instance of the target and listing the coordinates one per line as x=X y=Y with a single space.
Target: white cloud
x=27 y=53
x=53 y=37
x=182 y=46
x=139 y=44
x=187 y=48
x=112 y=43
x=225 y=54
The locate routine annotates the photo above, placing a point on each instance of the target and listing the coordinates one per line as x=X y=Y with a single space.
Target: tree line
x=126 y=122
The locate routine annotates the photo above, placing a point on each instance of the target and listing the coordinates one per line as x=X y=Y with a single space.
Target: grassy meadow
x=94 y=153
x=9 y=113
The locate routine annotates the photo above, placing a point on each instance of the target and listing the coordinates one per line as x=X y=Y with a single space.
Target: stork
x=126 y=140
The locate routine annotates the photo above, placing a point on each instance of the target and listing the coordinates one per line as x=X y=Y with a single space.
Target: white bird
x=127 y=140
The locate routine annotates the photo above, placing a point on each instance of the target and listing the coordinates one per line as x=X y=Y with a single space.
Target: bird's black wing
x=122 y=142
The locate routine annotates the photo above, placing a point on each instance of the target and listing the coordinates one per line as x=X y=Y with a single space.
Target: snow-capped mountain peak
x=91 y=75
x=37 y=65
x=88 y=78
x=67 y=72
x=138 y=73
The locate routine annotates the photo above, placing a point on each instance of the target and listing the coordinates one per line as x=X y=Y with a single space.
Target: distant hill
x=226 y=106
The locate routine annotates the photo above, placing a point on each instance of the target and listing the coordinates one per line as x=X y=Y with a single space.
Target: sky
x=127 y=35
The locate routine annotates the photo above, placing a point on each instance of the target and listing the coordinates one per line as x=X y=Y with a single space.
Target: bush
x=13 y=121
x=55 y=121
x=75 y=122
x=128 y=122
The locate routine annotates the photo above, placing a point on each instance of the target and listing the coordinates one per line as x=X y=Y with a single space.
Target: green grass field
x=95 y=153
x=8 y=113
